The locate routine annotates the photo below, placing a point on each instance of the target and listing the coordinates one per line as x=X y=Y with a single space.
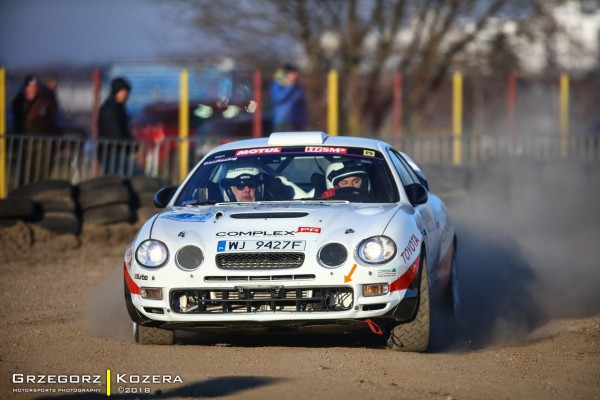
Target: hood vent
x=269 y=215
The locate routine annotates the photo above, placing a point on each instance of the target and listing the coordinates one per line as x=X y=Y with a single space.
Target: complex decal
x=330 y=150
x=255 y=233
x=249 y=152
x=410 y=249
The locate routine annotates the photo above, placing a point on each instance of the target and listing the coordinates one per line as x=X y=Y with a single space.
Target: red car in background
x=211 y=123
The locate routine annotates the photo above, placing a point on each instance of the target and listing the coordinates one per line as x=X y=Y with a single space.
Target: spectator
x=116 y=151
x=34 y=112
x=288 y=100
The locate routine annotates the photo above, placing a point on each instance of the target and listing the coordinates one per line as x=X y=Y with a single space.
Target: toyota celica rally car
x=299 y=229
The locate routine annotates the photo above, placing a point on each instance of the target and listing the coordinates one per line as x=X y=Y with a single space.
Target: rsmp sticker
x=321 y=149
x=188 y=217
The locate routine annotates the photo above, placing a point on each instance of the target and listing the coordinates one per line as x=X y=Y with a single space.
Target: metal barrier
x=35 y=158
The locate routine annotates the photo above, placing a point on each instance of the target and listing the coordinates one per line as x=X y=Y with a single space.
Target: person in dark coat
x=34 y=112
x=116 y=150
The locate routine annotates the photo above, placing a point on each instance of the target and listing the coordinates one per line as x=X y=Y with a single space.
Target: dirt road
x=529 y=286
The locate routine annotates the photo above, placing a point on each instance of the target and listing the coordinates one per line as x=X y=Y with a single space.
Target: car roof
x=304 y=138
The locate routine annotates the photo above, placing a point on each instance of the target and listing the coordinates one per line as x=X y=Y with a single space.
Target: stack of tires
x=143 y=189
x=47 y=204
x=105 y=200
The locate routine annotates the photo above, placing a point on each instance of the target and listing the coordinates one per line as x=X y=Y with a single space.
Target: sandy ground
x=530 y=327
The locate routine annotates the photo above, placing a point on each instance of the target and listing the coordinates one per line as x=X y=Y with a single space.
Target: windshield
x=291 y=174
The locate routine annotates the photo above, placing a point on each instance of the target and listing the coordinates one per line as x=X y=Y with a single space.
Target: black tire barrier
x=108 y=214
x=99 y=182
x=59 y=204
x=103 y=196
x=60 y=223
x=37 y=188
x=17 y=207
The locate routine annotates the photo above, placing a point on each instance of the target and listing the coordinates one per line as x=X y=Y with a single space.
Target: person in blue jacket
x=288 y=100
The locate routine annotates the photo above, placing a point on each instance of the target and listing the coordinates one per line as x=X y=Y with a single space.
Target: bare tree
x=366 y=40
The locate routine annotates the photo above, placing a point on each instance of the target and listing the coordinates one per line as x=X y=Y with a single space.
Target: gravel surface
x=530 y=328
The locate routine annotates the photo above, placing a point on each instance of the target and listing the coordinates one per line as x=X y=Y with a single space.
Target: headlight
x=377 y=249
x=152 y=253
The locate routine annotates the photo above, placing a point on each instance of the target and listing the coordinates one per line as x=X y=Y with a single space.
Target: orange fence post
x=397 y=113
x=184 y=123
x=257 y=129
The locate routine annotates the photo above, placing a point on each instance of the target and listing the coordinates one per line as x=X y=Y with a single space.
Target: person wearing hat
x=345 y=175
x=113 y=125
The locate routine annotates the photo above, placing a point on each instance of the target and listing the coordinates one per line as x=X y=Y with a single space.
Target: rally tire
x=104 y=196
x=414 y=336
x=148 y=335
x=141 y=184
x=100 y=182
x=60 y=223
x=58 y=204
x=17 y=208
x=108 y=214
x=43 y=189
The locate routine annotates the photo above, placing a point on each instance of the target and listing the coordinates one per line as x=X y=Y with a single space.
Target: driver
x=346 y=174
x=243 y=183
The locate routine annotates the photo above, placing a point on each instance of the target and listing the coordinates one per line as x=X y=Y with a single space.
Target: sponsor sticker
x=308 y=229
x=390 y=272
x=251 y=152
x=411 y=248
x=329 y=150
x=369 y=153
x=255 y=233
x=220 y=160
x=187 y=217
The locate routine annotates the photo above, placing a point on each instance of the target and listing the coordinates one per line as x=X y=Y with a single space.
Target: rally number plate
x=261 y=245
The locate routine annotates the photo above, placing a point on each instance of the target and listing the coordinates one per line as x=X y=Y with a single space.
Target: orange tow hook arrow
x=348 y=278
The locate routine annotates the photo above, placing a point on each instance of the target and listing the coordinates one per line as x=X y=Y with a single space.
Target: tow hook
x=374 y=327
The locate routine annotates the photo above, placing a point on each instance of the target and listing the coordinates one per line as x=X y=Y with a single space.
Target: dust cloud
x=529 y=246
x=107 y=316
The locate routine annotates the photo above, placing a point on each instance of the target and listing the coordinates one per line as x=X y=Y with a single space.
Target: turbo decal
x=308 y=229
x=406 y=278
x=249 y=152
x=131 y=285
x=410 y=249
x=329 y=150
x=187 y=217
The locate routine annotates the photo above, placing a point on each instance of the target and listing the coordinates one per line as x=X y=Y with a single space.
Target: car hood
x=311 y=220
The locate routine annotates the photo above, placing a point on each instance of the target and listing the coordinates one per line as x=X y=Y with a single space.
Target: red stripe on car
x=406 y=278
x=131 y=285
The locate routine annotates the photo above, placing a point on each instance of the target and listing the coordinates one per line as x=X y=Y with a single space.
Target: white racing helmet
x=339 y=170
x=241 y=176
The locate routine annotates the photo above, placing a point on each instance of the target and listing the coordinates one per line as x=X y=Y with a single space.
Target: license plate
x=260 y=245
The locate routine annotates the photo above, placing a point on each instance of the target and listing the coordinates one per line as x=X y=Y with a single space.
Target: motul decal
x=309 y=229
x=330 y=150
x=406 y=278
x=131 y=285
x=249 y=152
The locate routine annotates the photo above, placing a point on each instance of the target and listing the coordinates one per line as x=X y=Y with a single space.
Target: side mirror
x=422 y=178
x=417 y=194
x=163 y=196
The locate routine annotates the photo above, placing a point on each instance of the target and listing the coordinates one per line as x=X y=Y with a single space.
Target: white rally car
x=299 y=229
